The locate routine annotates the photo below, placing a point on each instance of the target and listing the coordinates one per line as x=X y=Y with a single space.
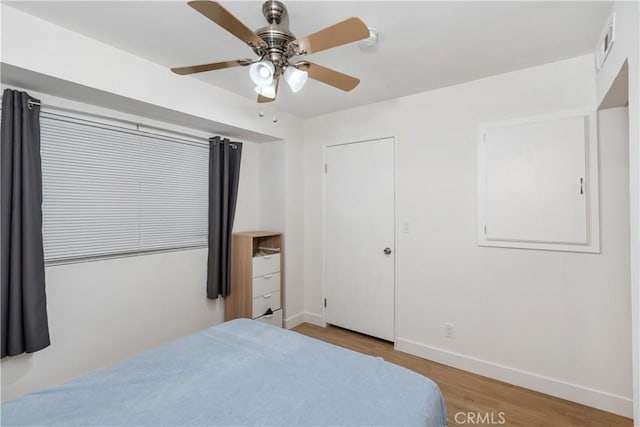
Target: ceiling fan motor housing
x=274 y=12
x=276 y=35
x=277 y=40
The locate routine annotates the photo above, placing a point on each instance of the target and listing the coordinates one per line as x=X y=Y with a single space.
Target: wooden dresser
x=256 y=285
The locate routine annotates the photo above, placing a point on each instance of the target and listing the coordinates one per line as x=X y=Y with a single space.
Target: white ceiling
x=423 y=45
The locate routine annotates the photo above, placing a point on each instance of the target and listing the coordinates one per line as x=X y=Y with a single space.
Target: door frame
x=325 y=147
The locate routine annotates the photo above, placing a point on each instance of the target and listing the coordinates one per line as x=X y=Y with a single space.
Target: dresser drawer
x=274 y=319
x=266 y=284
x=267 y=301
x=266 y=264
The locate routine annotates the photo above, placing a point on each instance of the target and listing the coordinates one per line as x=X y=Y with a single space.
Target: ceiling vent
x=607 y=39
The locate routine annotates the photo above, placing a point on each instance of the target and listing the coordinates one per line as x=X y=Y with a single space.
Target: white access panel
x=535 y=185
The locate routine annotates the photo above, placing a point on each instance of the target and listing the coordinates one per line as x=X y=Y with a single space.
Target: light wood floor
x=467 y=392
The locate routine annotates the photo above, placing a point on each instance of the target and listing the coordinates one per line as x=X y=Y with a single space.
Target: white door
x=359 y=241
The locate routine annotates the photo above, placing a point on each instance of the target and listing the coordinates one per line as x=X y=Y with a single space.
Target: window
x=108 y=190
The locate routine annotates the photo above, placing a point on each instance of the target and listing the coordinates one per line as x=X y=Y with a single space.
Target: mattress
x=240 y=372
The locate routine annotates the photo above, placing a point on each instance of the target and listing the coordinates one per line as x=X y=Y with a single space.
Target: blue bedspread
x=241 y=372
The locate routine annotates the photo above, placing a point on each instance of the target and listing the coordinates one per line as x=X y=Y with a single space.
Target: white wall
x=104 y=311
x=294 y=231
x=272 y=186
x=275 y=166
x=281 y=210
x=613 y=136
x=552 y=321
x=627 y=49
x=248 y=204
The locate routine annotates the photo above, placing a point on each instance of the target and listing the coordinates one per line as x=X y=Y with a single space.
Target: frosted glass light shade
x=268 y=91
x=295 y=78
x=262 y=73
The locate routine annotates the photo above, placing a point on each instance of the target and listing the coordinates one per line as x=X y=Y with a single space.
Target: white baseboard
x=294 y=321
x=314 y=319
x=587 y=396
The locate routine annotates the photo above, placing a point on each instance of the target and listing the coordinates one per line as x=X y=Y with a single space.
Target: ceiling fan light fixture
x=275 y=46
x=262 y=73
x=268 y=91
x=295 y=78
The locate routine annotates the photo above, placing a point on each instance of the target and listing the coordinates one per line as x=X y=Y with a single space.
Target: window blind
x=111 y=191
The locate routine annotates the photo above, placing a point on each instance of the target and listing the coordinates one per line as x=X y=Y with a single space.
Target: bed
x=240 y=372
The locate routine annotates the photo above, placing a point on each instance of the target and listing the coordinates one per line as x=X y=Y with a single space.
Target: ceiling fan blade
x=264 y=99
x=192 y=69
x=347 y=31
x=331 y=77
x=218 y=14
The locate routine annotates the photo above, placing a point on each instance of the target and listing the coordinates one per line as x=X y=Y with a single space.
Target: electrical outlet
x=448 y=330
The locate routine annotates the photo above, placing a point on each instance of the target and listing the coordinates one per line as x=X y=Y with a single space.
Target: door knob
x=387 y=251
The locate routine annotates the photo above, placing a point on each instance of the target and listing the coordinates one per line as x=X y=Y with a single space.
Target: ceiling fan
x=276 y=48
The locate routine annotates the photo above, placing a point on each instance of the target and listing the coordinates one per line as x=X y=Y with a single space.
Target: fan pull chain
x=261 y=114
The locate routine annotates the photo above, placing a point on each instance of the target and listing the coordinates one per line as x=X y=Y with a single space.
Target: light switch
x=405 y=227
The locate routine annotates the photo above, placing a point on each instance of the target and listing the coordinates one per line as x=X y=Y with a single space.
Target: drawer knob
x=266 y=296
x=267 y=276
x=387 y=251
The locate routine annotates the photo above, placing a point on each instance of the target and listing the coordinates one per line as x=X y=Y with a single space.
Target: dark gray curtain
x=24 y=303
x=224 y=173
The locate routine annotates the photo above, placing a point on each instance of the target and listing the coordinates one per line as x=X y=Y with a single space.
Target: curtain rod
x=31 y=103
